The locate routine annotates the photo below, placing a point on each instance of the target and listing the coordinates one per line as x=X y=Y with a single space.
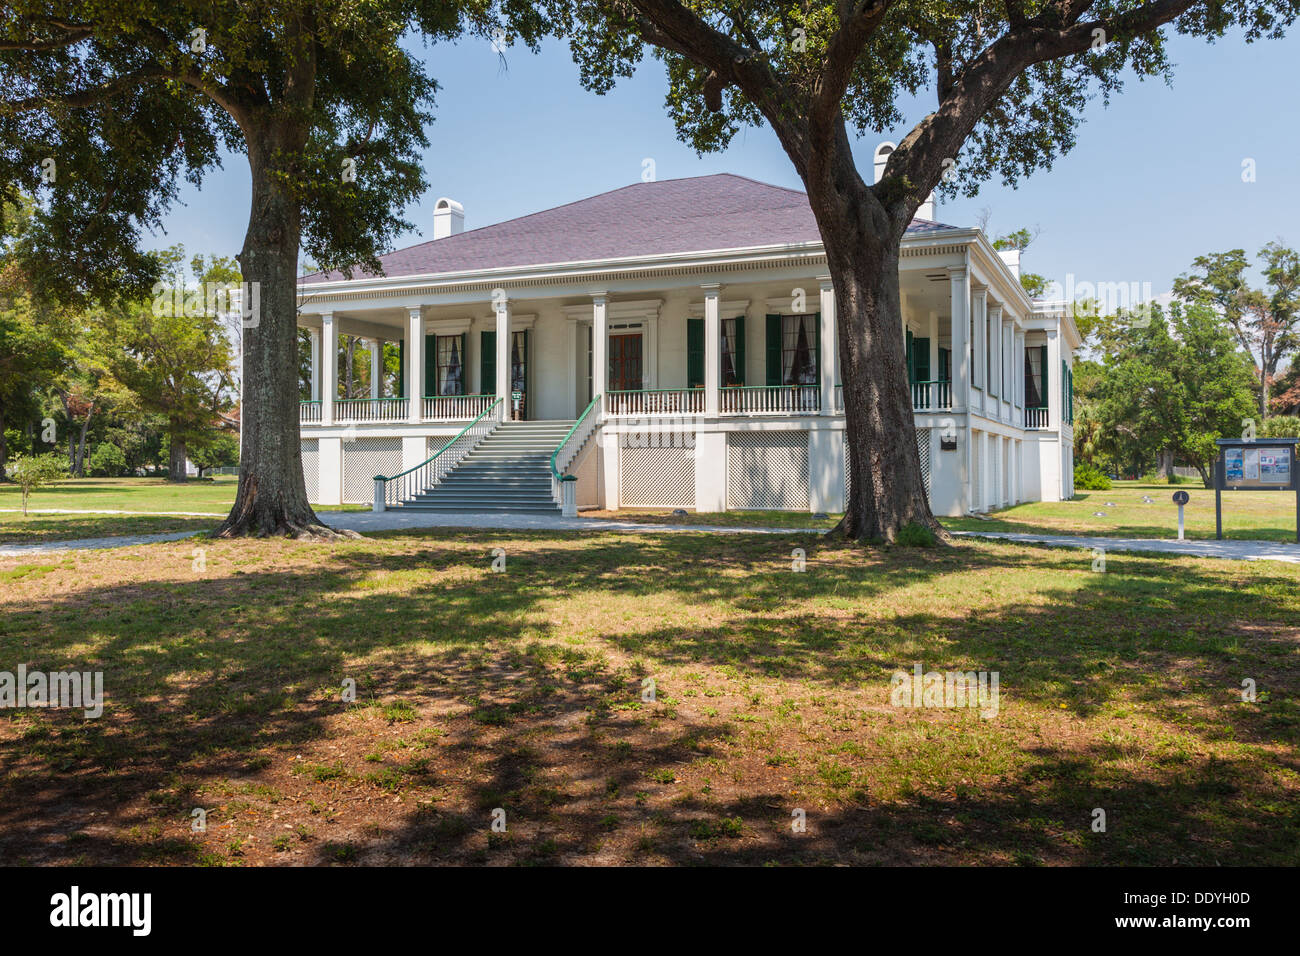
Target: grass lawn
x=523 y=691
x=214 y=495
x=15 y=529
x=1257 y=515
x=143 y=495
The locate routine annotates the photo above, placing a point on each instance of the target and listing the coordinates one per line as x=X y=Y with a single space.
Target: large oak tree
x=1009 y=80
x=322 y=96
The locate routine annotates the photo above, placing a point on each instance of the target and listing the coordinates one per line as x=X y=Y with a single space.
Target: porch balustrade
x=770 y=400
x=931 y=396
x=309 y=413
x=1035 y=417
x=455 y=408
x=655 y=401
x=365 y=410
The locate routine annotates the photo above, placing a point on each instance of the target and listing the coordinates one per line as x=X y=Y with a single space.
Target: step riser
x=510 y=470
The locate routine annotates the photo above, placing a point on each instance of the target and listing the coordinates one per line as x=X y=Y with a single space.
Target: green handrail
x=555 y=472
x=453 y=441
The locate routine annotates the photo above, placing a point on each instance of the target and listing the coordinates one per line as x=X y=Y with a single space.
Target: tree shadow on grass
x=223 y=679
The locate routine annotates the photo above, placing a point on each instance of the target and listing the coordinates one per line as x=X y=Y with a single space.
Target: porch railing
x=655 y=401
x=927 y=396
x=1036 y=417
x=390 y=491
x=370 y=410
x=564 y=486
x=309 y=413
x=770 y=400
x=455 y=408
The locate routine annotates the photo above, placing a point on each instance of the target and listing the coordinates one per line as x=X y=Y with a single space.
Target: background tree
x=1010 y=82
x=175 y=362
x=1020 y=240
x=321 y=96
x=1266 y=321
x=1173 y=384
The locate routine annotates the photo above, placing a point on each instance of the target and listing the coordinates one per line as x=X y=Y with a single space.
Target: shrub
x=107 y=461
x=37 y=472
x=913 y=535
x=1279 y=426
x=1089 y=478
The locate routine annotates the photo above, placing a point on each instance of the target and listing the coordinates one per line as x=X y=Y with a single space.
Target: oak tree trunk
x=176 y=460
x=862 y=242
x=272 y=496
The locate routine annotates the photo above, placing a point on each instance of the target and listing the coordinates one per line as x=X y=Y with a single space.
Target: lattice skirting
x=311 y=468
x=362 y=460
x=922 y=449
x=657 y=477
x=767 y=470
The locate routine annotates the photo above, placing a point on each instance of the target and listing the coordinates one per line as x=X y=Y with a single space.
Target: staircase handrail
x=393 y=489
x=558 y=481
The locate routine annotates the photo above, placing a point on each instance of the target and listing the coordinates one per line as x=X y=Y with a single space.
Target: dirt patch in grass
x=652 y=699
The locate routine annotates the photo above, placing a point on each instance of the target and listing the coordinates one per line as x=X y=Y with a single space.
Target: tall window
x=1034 y=397
x=733 y=353
x=799 y=350
x=451 y=365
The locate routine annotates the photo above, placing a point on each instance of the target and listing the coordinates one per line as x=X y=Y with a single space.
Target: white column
x=979 y=308
x=415 y=365
x=1018 y=375
x=959 y=296
x=712 y=356
x=330 y=368
x=1054 y=380
x=571 y=371
x=828 y=346
x=995 y=351
x=599 y=345
x=501 y=309
x=315 y=364
x=376 y=366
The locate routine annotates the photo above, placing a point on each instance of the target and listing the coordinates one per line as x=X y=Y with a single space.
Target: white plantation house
x=671 y=344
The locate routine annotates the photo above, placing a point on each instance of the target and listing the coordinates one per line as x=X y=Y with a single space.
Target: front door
x=625 y=362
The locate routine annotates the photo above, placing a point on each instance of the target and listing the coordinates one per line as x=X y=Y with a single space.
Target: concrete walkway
x=368 y=521
x=1228 y=550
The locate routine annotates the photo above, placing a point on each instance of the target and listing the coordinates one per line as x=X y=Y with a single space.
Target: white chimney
x=881 y=157
x=448 y=218
x=1012 y=258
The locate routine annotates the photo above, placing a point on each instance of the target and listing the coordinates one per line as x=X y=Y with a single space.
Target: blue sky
x=1155 y=180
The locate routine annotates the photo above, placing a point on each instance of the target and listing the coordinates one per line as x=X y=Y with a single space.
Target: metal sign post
x=1261 y=464
x=1181 y=498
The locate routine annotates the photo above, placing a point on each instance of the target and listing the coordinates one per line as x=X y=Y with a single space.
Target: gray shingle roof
x=698 y=214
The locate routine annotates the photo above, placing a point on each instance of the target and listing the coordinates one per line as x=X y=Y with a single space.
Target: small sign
x=1181 y=497
x=947 y=444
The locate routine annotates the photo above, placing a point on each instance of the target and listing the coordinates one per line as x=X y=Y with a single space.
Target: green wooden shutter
x=774 y=350
x=740 y=350
x=694 y=353
x=430 y=365
x=401 y=368
x=1042 y=364
x=911 y=360
x=487 y=363
x=921 y=359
